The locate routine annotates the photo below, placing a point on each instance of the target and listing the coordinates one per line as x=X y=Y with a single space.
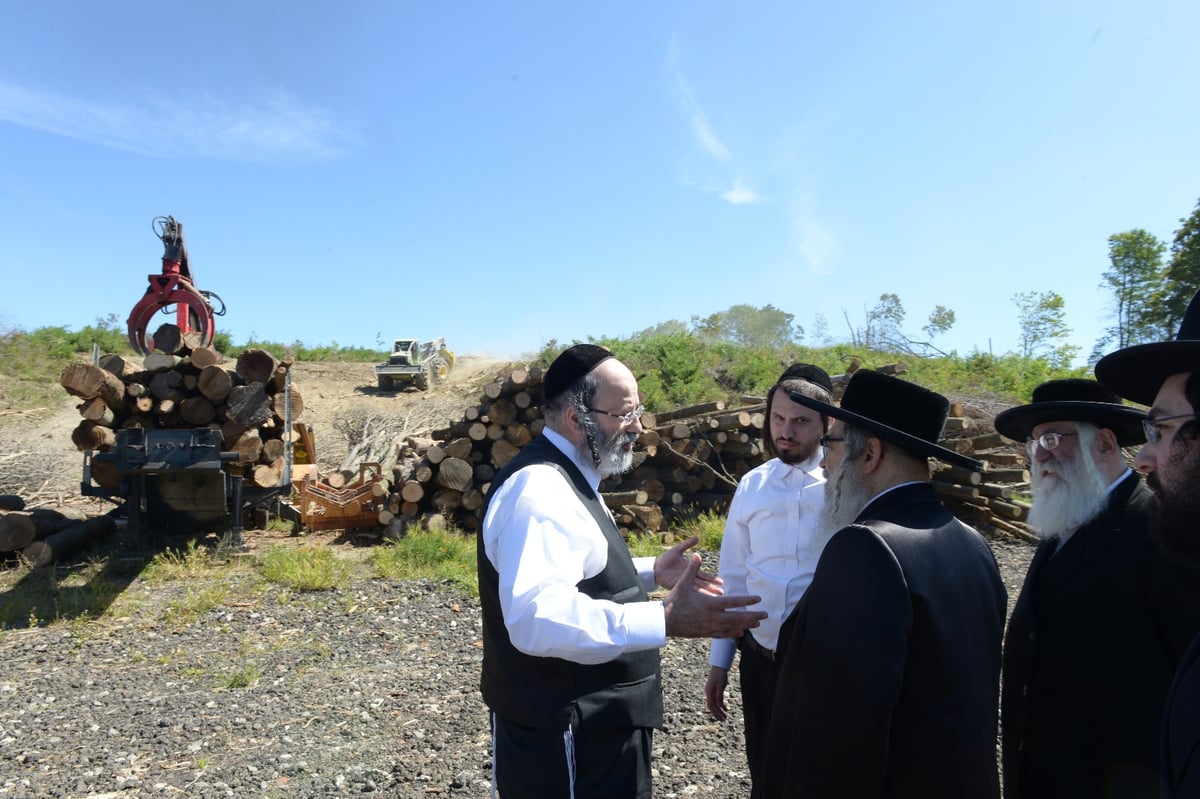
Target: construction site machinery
x=415 y=364
x=173 y=288
x=173 y=482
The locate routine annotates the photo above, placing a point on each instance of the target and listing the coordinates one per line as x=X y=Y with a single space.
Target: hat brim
x=900 y=438
x=1018 y=423
x=1137 y=372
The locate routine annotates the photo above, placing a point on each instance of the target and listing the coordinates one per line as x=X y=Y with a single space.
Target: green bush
x=678 y=369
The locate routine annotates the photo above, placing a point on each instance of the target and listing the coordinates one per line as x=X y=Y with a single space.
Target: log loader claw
x=173 y=287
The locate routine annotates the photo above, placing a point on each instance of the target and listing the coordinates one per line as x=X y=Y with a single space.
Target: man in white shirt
x=770 y=548
x=570 y=637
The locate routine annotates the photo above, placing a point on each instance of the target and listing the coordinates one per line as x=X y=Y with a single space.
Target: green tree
x=1136 y=279
x=671 y=327
x=1044 y=330
x=1183 y=272
x=748 y=326
x=881 y=324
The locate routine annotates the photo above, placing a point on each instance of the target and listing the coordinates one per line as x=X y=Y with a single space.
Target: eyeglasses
x=1152 y=427
x=626 y=418
x=1048 y=440
x=825 y=441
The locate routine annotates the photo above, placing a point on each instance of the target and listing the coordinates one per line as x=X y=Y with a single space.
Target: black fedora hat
x=1137 y=372
x=903 y=413
x=1074 y=400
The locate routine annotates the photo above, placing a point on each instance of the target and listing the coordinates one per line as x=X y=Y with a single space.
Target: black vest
x=552 y=693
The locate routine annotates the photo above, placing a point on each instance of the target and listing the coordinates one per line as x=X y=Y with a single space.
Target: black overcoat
x=1181 y=729
x=889 y=680
x=1094 y=639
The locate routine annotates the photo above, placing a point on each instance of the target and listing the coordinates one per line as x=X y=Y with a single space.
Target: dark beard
x=1175 y=513
x=797 y=456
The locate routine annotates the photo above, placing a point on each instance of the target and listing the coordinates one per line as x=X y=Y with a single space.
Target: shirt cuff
x=722 y=653
x=645 y=570
x=646 y=625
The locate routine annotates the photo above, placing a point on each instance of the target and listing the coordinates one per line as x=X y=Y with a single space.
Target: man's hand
x=692 y=612
x=714 y=691
x=670 y=565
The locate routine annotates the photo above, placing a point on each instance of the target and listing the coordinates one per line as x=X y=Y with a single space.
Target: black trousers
x=532 y=763
x=758 y=676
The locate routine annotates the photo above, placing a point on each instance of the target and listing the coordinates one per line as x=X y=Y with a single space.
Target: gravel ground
x=369 y=690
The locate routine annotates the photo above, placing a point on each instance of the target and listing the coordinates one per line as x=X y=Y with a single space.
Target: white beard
x=845 y=497
x=1066 y=496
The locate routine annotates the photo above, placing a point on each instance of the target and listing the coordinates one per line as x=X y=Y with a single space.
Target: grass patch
x=429 y=555
x=196 y=603
x=240 y=678
x=182 y=564
x=305 y=568
x=41 y=597
x=709 y=527
x=645 y=545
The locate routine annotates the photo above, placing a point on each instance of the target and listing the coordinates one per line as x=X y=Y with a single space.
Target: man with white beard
x=890 y=663
x=570 y=636
x=1103 y=617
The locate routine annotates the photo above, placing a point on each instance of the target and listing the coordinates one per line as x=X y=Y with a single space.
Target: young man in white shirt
x=770 y=548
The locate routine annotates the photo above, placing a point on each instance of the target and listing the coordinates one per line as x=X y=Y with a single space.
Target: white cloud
x=740 y=195
x=270 y=128
x=702 y=130
x=814 y=242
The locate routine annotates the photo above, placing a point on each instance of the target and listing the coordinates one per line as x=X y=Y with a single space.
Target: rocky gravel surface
x=368 y=690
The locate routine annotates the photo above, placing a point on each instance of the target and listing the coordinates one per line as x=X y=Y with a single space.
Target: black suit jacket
x=1181 y=730
x=889 y=680
x=1094 y=639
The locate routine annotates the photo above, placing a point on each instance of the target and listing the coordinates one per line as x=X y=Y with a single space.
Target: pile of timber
x=181 y=385
x=41 y=536
x=986 y=499
x=688 y=460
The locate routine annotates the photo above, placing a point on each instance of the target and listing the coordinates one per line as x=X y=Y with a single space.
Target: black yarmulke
x=572 y=364
x=807 y=371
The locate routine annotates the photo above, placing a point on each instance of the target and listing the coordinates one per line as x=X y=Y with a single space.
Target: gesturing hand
x=670 y=565
x=692 y=612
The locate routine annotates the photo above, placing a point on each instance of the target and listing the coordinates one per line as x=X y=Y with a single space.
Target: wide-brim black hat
x=1074 y=400
x=1137 y=372
x=902 y=413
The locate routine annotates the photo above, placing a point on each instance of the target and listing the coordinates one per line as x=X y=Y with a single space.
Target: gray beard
x=1067 y=500
x=845 y=497
x=613 y=458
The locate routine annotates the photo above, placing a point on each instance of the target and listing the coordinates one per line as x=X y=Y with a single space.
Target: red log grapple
x=173 y=287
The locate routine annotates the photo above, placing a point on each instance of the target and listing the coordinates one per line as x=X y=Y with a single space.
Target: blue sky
x=505 y=173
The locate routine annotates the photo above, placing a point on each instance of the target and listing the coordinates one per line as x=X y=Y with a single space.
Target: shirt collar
x=810 y=466
x=588 y=469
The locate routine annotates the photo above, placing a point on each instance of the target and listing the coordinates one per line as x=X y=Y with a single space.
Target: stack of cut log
x=986 y=499
x=181 y=384
x=40 y=536
x=688 y=460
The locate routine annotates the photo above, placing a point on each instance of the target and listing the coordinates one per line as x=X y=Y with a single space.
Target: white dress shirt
x=543 y=542
x=771 y=545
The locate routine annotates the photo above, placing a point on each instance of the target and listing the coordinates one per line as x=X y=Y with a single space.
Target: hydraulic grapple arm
x=173 y=286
